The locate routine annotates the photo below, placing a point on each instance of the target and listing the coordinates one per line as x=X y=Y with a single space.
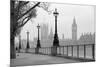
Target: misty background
x=84 y=16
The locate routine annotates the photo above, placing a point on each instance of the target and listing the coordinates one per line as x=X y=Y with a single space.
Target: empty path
x=25 y=59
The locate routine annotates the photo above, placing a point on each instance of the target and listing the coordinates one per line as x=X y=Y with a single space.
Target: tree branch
x=24 y=3
x=28 y=10
x=24 y=19
x=24 y=22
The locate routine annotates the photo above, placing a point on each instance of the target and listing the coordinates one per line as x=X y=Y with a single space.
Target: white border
x=5 y=32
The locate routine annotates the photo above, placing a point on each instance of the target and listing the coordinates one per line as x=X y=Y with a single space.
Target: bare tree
x=21 y=13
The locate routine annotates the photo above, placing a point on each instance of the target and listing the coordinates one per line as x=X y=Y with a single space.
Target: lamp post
x=19 y=43
x=27 y=47
x=38 y=41
x=56 y=39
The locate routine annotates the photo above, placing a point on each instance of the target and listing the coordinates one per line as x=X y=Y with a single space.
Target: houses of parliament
x=46 y=38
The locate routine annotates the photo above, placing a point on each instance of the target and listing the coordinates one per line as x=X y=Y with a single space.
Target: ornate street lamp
x=27 y=47
x=56 y=39
x=19 y=43
x=38 y=41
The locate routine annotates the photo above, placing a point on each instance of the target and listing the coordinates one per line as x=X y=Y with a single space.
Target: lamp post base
x=36 y=50
x=54 y=51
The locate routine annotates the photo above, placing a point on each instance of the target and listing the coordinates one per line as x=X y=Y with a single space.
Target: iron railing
x=84 y=52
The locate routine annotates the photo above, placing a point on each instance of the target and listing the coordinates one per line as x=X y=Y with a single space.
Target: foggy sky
x=84 y=15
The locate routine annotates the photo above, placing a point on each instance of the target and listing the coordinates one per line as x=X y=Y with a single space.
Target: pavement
x=26 y=59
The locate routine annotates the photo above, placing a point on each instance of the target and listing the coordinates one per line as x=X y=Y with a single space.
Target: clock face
x=74 y=28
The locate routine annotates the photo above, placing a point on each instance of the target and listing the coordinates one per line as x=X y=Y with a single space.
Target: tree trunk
x=12 y=37
x=12 y=49
x=12 y=29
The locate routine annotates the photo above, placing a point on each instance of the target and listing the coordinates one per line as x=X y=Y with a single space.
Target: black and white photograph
x=44 y=33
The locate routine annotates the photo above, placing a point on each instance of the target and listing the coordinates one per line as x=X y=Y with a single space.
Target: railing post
x=63 y=50
x=54 y=50
x=50 y=50
x=93 y=51
x=18 y=50
x=59 y=50
x=67 y=50
x=42 y=50
x=78 y=51
x=26 y=50
x=84 y=51
x=45 y=50
x=72 y=50
x=36 y=50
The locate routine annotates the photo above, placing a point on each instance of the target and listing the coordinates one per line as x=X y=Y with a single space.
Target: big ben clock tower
x=74 y=30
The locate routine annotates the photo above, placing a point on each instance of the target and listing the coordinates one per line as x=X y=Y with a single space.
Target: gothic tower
x=51 y=34
x=63 y=37
x=74 y=30
x=44 y=31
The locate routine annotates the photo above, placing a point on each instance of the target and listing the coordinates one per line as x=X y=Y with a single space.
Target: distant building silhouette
x=74 y=30
x=63 y=36
x=51 y=35
x=87 y=38
x=44 y=31
x=47 y=38
x=35 y=41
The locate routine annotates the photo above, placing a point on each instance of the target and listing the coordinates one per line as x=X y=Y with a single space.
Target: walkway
x=24 y=59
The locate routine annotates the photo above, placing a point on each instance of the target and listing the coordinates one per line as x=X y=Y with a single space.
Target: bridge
x=51 y=55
